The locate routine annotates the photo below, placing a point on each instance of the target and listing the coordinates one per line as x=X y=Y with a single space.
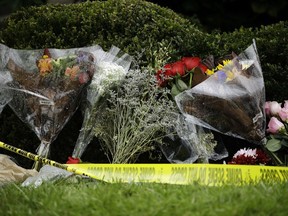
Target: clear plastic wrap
x=5 y=78
x=231 y=101
x=47 y=89
x=111 y=68
x=189 y=143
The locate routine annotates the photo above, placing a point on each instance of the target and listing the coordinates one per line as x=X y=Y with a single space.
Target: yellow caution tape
x=45 y=160
x=204 y=174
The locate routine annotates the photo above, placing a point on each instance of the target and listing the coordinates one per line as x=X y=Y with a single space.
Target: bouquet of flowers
x=189 y=142
x=231 y=100
x=277 y=142
x=47 y=87
x=111 y=68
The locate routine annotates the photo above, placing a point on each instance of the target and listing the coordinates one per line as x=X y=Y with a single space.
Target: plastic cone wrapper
x=111 y=68
x=231 y=101
x=5 y=78
x=47 y=87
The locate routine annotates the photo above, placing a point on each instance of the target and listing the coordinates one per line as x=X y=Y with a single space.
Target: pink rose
x=274 y=125
x=283 y=114
x=275 y=108
x=267 y=108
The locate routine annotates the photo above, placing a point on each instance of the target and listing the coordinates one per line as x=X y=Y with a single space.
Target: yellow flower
x=220 y=66
x=209 y=72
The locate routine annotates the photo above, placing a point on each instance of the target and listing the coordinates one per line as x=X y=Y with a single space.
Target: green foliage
x=92 y=198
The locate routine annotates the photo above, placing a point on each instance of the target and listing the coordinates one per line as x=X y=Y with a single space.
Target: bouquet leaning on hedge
x=47 y=87
x=230 y=101
x=111 y=68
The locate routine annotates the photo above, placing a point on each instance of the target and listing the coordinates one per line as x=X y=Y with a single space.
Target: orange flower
x=45 y=66
x=72 y=72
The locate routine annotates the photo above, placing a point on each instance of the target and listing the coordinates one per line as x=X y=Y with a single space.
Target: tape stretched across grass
x=204 y=174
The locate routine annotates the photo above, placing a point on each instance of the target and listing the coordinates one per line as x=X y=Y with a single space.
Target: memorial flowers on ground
x=110 y=72
x=190 y=142
x=231 y=100
x=47 y=87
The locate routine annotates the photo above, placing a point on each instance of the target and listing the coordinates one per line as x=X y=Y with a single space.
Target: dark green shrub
x=132 y=25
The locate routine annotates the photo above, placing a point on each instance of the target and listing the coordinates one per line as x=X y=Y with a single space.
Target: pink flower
x=83 y=78
x=283 y=114
x=267 y=108
x=274 y=125
x=275 y=108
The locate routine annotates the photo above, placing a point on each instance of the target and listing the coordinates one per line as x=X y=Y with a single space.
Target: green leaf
x=174 y=90
x=284 y=142
x=273 y=145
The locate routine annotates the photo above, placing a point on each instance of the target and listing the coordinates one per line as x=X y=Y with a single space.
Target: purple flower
x=221 y=76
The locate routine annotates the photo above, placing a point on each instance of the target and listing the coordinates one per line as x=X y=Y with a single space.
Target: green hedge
x=132 y=25
x=136 y=27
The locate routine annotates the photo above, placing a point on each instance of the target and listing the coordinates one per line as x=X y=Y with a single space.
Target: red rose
x=72 y=160
x=167 y=70
x=203 y=67
x=178 y=68
x=191 y=62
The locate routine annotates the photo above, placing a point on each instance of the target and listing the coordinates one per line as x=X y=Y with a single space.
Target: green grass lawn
x=97 y=198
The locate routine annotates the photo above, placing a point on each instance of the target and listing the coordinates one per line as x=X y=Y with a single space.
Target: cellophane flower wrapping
x=231 y=101
x=47 y=89
x=5 y=78
x=190 y=143
x=111 y=68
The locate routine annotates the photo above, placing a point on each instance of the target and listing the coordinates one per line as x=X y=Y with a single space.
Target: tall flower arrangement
x=111 y=68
